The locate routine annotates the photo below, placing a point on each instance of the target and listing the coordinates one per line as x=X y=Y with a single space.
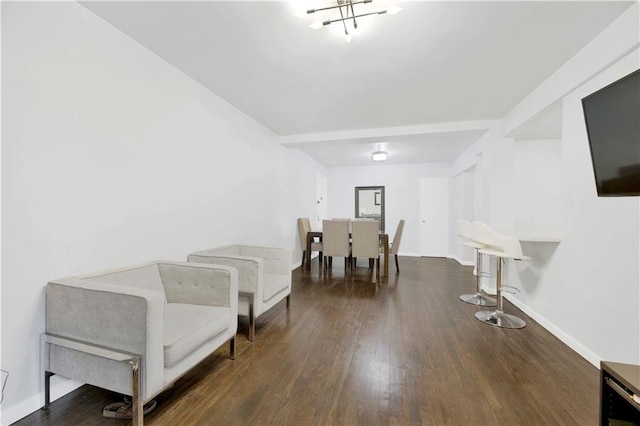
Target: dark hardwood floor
x=349 y=352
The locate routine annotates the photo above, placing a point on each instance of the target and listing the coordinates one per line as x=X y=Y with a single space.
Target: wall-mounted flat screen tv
x=612 y=116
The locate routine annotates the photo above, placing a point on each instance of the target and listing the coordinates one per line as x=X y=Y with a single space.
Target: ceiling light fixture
x=347 y=15
x=380 y=156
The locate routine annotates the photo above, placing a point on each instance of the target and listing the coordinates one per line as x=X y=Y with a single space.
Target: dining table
x=384 y=243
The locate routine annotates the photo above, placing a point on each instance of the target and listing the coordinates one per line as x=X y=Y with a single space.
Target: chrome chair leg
x=498 y=318
x=478 y=299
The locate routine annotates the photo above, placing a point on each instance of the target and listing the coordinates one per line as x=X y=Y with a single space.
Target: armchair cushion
x=187 y=327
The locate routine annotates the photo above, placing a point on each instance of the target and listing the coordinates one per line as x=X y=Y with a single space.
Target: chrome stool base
x=500 y=319
x=478 y=299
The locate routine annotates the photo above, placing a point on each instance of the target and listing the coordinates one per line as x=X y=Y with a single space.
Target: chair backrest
x=508 y=244
x=511 y=246
x=335 y=238
x=465 y=230
x=482 y=233
x=307 y=223
x=395 y=245
x=365 y=239
x=303 y=228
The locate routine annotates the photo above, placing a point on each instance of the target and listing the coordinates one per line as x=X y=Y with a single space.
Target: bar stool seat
x=465 y=231
x=498 y=317
x=503 y=248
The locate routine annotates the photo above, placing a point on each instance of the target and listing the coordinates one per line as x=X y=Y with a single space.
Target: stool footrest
x=509 y=289
x=478 y=299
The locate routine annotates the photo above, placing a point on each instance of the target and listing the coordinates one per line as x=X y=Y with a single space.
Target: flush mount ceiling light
x=347 y=17
x=380 y=156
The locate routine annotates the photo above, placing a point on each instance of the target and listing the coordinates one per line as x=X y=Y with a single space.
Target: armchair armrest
x=78 y=309
x=123 y=318
x=79 y=346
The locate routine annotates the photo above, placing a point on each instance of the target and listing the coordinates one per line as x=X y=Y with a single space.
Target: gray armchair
x=264 y=280
x=137 y=330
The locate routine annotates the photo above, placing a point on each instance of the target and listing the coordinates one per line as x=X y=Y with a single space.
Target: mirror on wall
x=370 y=203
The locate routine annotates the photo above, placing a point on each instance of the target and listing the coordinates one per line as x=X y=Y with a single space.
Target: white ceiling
x=434 y=62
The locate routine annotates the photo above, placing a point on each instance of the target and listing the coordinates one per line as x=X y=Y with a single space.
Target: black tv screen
x=612 y=116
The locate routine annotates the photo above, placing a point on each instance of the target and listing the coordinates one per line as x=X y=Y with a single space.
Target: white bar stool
x=465 y=232
x=503 y=248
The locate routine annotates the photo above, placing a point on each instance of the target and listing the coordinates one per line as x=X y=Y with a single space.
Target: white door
x=434 y=217
x=321 y=201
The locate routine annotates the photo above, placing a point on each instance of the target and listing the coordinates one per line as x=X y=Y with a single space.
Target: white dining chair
x=304 y=226
x=502 y=247
x=365 y=242
x=395 y=244
x=465 y=232
x=335 y=242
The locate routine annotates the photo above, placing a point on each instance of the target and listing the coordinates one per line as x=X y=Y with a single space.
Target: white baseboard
x=564 y=337
x=460 y=261
x=298 y=264
x=404 y=253
x=59 y=388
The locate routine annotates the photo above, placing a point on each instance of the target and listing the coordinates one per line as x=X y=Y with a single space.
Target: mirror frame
x=370 y=188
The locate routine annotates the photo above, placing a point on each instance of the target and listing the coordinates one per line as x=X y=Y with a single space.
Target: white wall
x=615 y=42
x=586 y=289
x=3 y=376
x=402 y=195
x=538 y=189
x=461 y=206
x=110 y=156
x=468 y=167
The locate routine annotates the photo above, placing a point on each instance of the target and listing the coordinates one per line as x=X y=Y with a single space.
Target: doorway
x=434 y=217
x=321 y=200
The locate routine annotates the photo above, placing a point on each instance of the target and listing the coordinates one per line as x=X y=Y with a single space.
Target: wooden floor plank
x=403 y=352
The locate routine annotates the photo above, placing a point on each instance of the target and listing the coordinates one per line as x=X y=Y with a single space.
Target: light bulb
x=300 y=13
x=316 y=25
x=347 y=38
x=379 y=156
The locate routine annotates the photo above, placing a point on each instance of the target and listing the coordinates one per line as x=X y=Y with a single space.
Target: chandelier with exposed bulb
x=347 y=15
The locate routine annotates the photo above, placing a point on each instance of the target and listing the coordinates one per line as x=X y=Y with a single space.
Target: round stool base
x=500 y=319
x=478 y=299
